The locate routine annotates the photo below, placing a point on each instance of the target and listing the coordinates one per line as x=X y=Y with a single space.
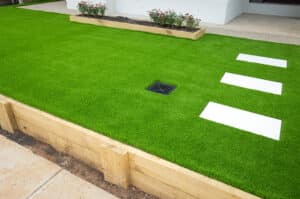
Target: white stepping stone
x=252 y=83
x=263 y=60
x=243 y=120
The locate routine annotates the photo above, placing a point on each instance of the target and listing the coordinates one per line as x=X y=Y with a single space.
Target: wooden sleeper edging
x=121 y=164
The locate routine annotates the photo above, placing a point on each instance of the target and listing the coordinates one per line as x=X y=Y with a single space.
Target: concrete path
x=56 y=7
x=261 y=27
x=24 y=175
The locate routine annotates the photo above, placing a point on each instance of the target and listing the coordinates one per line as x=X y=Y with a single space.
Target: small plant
x=101 y=9
x=191 y=21
x=83 y=7
x=154 y=15
x=179 y=20
x=170 y=17
x=162 y=17
x=94 y=10
x=158 y=16
x=91 y=9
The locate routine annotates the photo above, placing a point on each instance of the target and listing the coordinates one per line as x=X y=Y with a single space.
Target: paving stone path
x=244 y=120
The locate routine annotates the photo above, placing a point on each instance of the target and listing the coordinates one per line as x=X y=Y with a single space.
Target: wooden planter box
x=143 y=28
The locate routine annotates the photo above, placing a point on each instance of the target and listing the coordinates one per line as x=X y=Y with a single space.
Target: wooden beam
x=121 y=164
x=78 y=142
x=116 y=165
x=7 y=119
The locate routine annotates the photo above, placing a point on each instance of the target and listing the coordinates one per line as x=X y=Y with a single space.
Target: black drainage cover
x=162 y=88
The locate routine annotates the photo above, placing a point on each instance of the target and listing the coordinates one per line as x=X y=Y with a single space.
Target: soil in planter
x=140 y=22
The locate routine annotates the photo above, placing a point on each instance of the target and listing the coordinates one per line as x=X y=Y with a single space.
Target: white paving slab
x=262 y=60
x=244 y=120
x=252 y=83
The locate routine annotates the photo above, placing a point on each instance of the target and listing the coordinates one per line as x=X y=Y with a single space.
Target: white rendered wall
x=210 y=11
x=234 y=8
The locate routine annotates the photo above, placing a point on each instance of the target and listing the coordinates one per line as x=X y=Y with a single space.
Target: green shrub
x=162 y=18
x=154 y=15
x=90 y=9
x=191 y=21
x=83 y=7
x=101 y=9
x=171 y=18
x=158 y=16
x=179 y=20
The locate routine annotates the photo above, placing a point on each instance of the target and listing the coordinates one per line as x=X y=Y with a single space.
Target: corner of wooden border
x=7 y=118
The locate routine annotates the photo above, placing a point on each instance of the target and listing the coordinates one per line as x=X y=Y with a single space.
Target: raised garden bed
x=143 y=26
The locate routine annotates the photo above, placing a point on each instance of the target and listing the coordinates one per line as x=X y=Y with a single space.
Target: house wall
x=212 y=11
x=234 y=8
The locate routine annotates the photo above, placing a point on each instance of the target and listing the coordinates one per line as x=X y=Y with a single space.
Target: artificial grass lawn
x=97 y=76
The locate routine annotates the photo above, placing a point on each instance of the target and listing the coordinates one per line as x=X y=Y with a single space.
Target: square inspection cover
x=162 y=88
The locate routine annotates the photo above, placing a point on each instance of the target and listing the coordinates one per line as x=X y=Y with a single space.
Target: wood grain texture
x=121 y=164
x=7 y=118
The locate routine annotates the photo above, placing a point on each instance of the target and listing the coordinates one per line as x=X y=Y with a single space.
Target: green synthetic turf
x=96 y=77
